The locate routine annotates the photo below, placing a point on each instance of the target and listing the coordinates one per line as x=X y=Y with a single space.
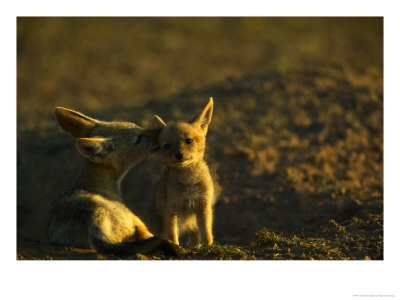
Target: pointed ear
x=158 y=122
x=74 y=122
x=95 y=149
x=204 y=119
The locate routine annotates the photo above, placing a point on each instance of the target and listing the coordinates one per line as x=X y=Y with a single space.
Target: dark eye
x=167 y=146
x=189 y=141
x=139 y=138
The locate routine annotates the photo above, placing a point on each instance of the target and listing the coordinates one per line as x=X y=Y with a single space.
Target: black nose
x=178 y=155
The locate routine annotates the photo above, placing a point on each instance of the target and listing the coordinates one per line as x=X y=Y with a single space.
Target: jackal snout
x=150 y=139
x=181 y=144
x=179 y=155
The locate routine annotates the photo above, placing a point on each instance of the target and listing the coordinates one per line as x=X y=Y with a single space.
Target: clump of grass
x=294 y=175
x=265 y=237
x=339 y=228
x=357 y=221
x=217 y=251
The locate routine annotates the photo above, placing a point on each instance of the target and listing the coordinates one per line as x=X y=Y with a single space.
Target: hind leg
x=142 y=232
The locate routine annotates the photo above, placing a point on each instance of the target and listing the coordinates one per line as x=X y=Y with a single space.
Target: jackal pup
x=91 y=213
x=186 y=194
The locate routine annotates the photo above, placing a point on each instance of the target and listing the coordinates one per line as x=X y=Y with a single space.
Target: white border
x=198 y=280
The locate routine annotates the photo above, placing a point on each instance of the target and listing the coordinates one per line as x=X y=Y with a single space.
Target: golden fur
x=91 y=213
x=186 y=194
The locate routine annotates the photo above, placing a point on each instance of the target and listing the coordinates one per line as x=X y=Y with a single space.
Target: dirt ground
x=296 y=136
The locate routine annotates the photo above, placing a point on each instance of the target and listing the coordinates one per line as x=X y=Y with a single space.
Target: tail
x=129 y=248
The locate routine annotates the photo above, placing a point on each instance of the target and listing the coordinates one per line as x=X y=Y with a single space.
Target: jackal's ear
x=74 y=122
x=95 y=149
x=158 y=122
x=204 y=119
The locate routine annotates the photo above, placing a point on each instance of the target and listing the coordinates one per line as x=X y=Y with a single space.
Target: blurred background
x=297 y=130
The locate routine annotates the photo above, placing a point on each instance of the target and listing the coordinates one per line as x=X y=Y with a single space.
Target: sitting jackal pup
x=185 y=196
x=91 y=214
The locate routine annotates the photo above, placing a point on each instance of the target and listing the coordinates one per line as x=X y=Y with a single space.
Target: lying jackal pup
x=91 y=214
x=186 y=193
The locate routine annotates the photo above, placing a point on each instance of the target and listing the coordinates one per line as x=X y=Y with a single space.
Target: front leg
x=171 y=228
x=204 y=221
